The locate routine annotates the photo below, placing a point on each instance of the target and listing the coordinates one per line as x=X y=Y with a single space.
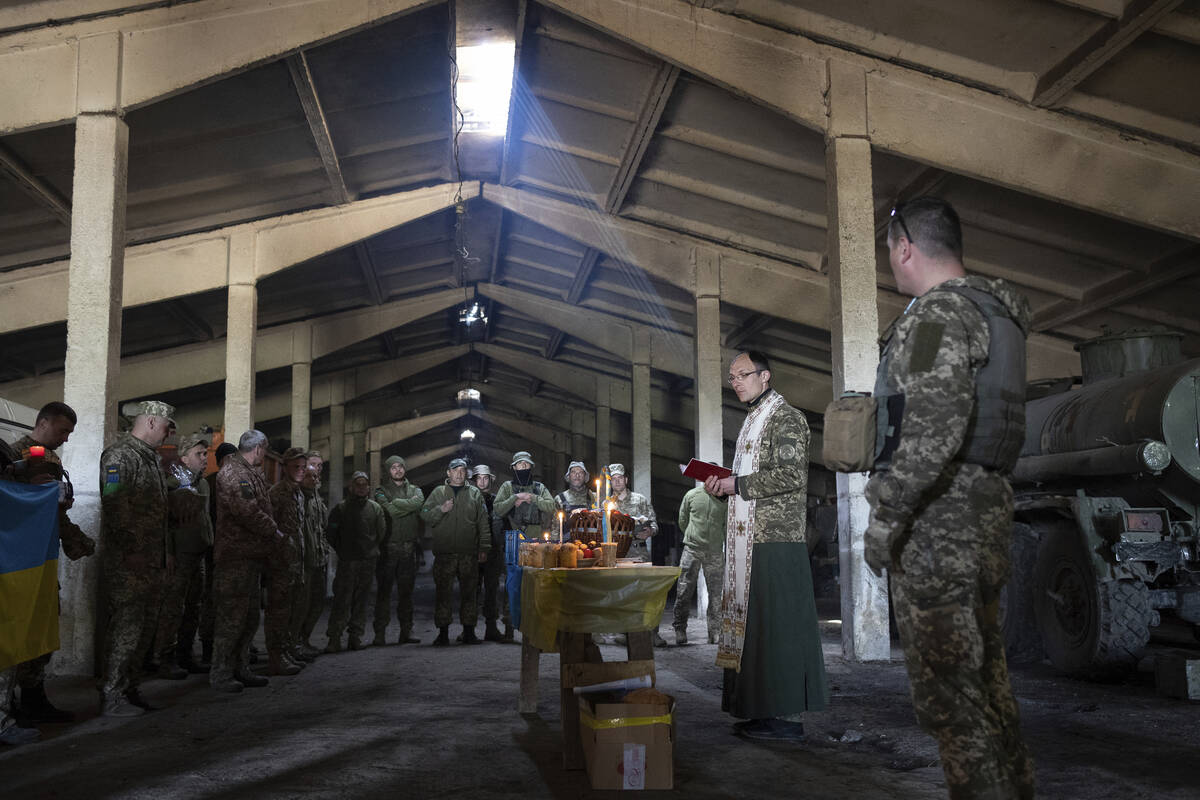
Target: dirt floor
x=419 y=722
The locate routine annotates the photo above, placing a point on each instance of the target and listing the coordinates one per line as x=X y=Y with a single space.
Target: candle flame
x=547 y=537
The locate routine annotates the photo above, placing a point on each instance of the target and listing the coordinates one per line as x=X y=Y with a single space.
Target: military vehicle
x=1107 y=506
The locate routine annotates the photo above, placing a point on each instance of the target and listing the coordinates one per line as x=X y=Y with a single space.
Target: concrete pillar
x=579 y=443
x=854 y=321
x=709 y=381
x=603 y=428
x=356 y=426
x=337 y=443
x=641 y=412
x=301 y=387
x=240 y=337
x=375 y=460
x=93 y=349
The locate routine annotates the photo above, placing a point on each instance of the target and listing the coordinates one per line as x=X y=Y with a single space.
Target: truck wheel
x=1089 y=627
x=1018 y=624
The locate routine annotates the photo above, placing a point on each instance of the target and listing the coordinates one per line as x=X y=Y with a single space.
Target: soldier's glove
x=79 y=545
x=877 y=545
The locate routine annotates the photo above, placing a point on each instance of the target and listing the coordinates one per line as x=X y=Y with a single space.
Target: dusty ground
x=415 y=722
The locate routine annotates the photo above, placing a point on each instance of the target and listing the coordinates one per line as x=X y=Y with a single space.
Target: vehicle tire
x=1018 y=623
x=1090 y=628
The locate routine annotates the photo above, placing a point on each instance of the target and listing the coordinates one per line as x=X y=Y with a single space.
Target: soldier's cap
x=191 y=440
x=225 y=449
x=481 y=469
x=360 y=476
x=456 y=463
x=149 y=408
x=616 y=469
x=292 y=453
x=394 y=460
x=314 y=454
x=522 y=455
x=573 y=465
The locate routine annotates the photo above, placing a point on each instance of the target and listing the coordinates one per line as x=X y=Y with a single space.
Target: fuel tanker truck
x=1107 y=506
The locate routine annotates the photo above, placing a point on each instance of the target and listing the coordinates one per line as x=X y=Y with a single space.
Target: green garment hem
x=783 y=668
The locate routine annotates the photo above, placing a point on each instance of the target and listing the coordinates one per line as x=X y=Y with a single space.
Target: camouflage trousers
x=446 y=568
x=133 y=598
x=184 y=604
x=351 y=588
x=284 y=574
x=495 y=587
x=944 y=593
x=236 y=586
x=26 y=675
x=397 y=568
x=689 y=574
x=309 y=603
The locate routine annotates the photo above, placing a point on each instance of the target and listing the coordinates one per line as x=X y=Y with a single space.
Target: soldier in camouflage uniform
x=246 y=538
x=398 y=557
x=523 y=503
x=189 y=537
x=492 y=573
x=702 y=519
x=357 y=527
x=769 y=643
x=637 y=506
x=310 y=600
x=577 y=495
x=941 y=507
x=285 y=568
x=459 y=520
x=53 y=426
x=133 y=500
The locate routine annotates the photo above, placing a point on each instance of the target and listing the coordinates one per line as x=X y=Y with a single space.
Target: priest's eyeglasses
x=741 y=376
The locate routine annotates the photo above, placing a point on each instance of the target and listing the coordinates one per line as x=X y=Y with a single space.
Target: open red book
x=701 y=470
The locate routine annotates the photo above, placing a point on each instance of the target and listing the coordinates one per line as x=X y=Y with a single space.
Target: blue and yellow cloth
x=28 y=571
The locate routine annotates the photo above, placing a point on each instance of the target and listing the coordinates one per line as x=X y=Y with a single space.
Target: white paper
x=634 y=766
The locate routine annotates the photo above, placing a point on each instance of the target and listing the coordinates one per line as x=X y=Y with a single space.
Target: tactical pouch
x=850 y=433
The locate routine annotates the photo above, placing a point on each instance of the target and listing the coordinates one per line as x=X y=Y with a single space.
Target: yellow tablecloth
x=617 y=599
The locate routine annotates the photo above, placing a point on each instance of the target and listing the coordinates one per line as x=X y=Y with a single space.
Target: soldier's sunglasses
x=896 y=215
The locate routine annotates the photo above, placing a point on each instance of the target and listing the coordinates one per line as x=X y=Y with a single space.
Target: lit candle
x=607 y=521
x=37 y=451
x=560 y=527
x=598 y=506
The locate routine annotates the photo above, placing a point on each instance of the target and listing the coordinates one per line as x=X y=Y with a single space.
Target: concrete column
x=854 y=321
x=240 y=337
x=357 y=428
x=337 y=443
x=641 y=412
x=709 y=382
x=93 y=357
x=376 y=462
x=579 y=444
x=603 y=428
x=301 y=387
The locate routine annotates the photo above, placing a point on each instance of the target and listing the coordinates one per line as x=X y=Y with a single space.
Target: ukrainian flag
x=28 y=571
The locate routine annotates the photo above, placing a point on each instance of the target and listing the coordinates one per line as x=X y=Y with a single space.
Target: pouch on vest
x=850 y=433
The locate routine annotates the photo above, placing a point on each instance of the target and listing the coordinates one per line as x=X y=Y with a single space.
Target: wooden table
x=562 y=608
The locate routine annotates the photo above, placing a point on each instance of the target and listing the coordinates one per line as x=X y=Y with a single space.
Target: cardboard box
x=627 y=745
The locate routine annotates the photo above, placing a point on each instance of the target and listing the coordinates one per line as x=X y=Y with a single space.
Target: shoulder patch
x=246 y=489
x=927 y=340
x=112 y=475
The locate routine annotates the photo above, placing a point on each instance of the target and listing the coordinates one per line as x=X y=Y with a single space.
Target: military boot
x=469 y=637
x=491 y=633
x=356 y=643
x=300 y=656
x=36 y=707
x=335 y=644
x=288 y=658
x=277 y=664
x=114 y=704
x=170 y=671
x=134 y=696
x=380 y=639
x=229 y=685
x=250 y=680
x=443 y=637
x=681 y=636
x=193 y=667
x=406 y=637
x=508 y=634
